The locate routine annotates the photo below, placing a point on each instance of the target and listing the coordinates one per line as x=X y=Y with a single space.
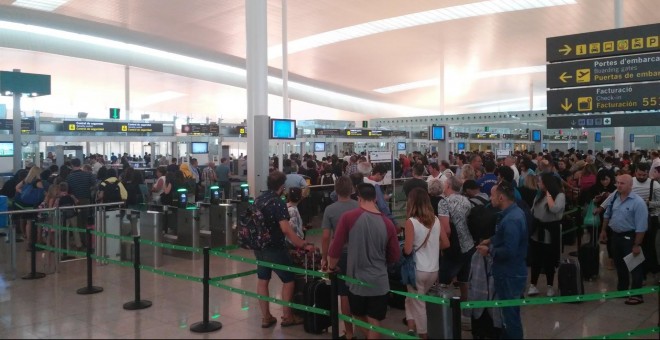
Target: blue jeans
x=509 y=288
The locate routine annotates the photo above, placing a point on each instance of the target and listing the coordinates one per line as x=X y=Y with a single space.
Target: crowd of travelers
x=469 y=213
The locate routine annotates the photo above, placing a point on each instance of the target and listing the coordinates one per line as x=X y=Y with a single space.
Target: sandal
x=268 y=322
x=634 y=300
x=292 y=321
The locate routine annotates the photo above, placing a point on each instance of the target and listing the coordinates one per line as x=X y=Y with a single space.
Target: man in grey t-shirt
x=331 y=216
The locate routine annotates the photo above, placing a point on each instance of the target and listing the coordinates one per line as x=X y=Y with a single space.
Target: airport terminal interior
x=155 y=89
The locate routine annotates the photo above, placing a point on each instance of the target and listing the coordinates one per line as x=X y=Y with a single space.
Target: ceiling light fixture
x=409 y=86
x=41 y=5
x=411 y=20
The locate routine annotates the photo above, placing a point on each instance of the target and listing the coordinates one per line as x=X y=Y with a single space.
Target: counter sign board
x=617 y=70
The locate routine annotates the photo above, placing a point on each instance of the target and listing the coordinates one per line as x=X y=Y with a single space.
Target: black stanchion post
x=90 y=289
x=455 y=305
x=33 y=256
x=334 y=307
x=138 y=303
x=206 y=326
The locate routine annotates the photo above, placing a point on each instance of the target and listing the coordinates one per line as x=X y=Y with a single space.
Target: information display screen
x=319 y=146
x=437 y=133
x=536 y=135
x=401 y=146
x=282 y=129
x=199 y=147
x=6 y=149
x=597 y=137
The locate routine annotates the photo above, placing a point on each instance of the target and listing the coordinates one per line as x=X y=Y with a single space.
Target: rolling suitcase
x=439 y=316
x=588 y=256
x=316 y=293
x=569 y=275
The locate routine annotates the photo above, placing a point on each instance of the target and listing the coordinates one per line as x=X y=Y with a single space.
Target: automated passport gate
x=152 y=223
x=223 y=223
x=182 y=229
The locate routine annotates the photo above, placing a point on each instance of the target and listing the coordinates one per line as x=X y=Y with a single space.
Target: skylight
x=41 y=5
x=411 y=20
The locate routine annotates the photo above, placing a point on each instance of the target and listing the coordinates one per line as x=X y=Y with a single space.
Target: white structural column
x=443 y=146
x=286 y=104
x=619 y=132
x=127 y=91
x=257 y=95
x=16 y=132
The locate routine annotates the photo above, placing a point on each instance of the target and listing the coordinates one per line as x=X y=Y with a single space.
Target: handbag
x=591 y=220
x=408 y=266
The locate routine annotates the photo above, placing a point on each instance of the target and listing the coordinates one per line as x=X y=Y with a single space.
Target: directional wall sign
x=604 y=120
x=613 y=70
x=140 y=127
x=619 y=41
x=634 y=97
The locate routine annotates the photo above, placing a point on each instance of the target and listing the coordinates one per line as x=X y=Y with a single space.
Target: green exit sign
x=365 y=123
x=486 y=129
x=114 y=113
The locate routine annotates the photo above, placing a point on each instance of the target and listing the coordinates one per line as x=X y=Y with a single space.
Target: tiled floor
x=50 y=307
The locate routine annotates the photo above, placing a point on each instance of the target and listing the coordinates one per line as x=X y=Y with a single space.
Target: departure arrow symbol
x=564 y=76
x=566 y=105
x=566 y=50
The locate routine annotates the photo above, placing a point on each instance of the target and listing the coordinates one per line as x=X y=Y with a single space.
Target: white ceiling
x=464 y=47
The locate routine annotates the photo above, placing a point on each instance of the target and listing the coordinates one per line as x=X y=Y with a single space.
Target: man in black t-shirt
x=417 y=181
x=276 y=218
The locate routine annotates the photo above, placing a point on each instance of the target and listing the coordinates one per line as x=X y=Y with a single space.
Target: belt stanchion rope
x=33 y=275
x=381 y=330
x=89 y=289
x=206 y=326
x=138 y=303
x=628 y=334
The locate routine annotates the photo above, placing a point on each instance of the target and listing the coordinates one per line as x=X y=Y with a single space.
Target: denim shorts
x=278 y=256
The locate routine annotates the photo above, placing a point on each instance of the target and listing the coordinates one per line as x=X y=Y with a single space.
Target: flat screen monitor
x=282 y=129
x=401 y=146
x=437 y=133
x=536 y=135
x=319 y=146
x=6 y=149
x=461 y=146
x=597 y=137
x=200 y=147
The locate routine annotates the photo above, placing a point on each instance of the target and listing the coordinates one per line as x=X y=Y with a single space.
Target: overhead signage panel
x=634 y=97
x=195 y=129
x=27 y=125
x=619 y=41
x=605 y=120
x=355 y=132
x=139 y=127
x=490 y=136
x=88 y=126
x=327 y=132
x=623 y=69
x=214 y=129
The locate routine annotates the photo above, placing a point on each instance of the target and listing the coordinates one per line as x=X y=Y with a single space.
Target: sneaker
x=550 y=292
x=411 y=332
x=532 y=291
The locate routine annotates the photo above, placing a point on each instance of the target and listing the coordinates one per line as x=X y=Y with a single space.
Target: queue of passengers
x=530 y=190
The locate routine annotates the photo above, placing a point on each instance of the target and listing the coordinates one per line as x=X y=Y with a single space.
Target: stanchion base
x=34 y=276
x=89 y=290
x=135 y=305
x=201 y=327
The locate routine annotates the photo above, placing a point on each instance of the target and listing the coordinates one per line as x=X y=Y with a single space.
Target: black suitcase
x=317 y=294
x=588 y=255
x=397 y=301
x=483 y=327
x=299 y=293
x=569 y=276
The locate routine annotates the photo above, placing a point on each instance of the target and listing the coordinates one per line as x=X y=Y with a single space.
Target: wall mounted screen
x=597 y=137
x=282 y=129
x=536 y=135
x=319 y=146
x=437 y=133
x=461 y=146
x=6 y=149
x=401 y=146
x=200 y=147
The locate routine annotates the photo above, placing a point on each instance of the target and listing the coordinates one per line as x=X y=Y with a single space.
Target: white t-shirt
x=516 y=174
x=427 y=258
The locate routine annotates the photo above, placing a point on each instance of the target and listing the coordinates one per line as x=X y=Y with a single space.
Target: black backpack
x=481 y=220
x=328 y=178
x=67 y=201
x=111 y=192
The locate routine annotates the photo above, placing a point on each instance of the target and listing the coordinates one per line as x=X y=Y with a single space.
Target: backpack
x=531 y=226
x=481 y=221
x=252 y=230
x=31 y=194
x=67 y=201
x=328 y=178
x=111 y=192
